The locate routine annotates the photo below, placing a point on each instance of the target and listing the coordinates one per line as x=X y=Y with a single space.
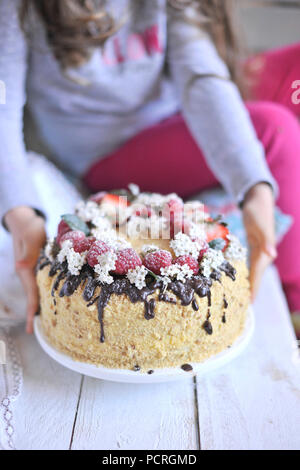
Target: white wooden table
x=252 y=403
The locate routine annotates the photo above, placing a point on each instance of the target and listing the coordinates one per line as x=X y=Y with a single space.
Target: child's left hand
x=258 y=214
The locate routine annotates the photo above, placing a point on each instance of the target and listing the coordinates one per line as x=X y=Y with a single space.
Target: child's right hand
x=29 y=236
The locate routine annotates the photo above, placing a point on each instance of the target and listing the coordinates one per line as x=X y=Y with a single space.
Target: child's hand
x=258 y=214
x=29 y=236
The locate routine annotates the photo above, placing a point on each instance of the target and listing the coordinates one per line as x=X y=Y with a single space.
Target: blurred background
x=270 y=23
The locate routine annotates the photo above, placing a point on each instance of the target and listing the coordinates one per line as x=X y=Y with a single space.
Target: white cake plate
x=159 y=375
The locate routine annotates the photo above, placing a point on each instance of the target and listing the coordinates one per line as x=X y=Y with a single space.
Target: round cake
x=142 y=281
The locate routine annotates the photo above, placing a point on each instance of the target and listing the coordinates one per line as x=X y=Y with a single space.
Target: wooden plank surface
x=254 y=403
x=129 y=416
x=44 y=414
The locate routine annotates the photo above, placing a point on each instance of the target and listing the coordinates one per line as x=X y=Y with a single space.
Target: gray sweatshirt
x=88 y=112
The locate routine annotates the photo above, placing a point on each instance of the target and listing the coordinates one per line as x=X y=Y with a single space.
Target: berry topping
x=217 y=231
x=73 y=235
x=156 y=260
x=62 y=228
x=202 y=253
x=190 y=261
x=173 y=211
x=175 y=206
x=143 y=212
x=178 y=224
x=126 y=259
x=97 y=249
x=114 y=200
x=83 y=244
x=98 y=197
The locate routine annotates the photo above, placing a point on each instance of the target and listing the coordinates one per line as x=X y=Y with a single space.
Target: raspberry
x=202 y=253
x=204 y=246
x=158 y=259
x=126 y=259
x=73 y=235
x=190 y=261
x=186 y=226
x=175 y=206
x=62 y=228
x=83 y=244
x=143 y=212
x=98 y=248
x=179 y=224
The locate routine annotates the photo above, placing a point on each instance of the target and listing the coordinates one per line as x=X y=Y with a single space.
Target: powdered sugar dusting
x=74 y=260
x=137 y=276
x=106 y=263
x=183 y=245
x=148 y=249
x=181 y=273
x=49 y=248
x=211 y=261
x=235 y=249
x=155 y=199
x=87 y=210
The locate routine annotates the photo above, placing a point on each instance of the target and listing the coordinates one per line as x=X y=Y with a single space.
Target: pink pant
x=154 y=158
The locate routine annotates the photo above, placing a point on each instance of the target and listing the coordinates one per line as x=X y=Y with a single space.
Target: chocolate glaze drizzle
x=187 y=367
x=225 y=305
x=185 y=292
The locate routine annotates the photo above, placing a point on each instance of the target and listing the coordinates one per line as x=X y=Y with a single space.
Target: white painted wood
x=44 y=414
x=254 y=403
x=130 y=416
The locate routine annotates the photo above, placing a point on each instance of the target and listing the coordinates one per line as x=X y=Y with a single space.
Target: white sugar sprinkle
x=137 y=276
x=75 y=260
x=183 y=245
x=48 y=248
x=235 y=249
x=148 y=249
x=211 y=261
x=181 y=273
x=106 y=263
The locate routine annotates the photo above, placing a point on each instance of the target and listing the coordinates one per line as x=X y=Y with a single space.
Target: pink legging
x=154 y=158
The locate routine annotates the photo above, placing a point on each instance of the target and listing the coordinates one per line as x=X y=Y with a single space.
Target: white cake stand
x=159 y=375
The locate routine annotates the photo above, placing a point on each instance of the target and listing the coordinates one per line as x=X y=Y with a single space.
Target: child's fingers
x=28 y=280
x=258 y=263
x=27 y=251
x=270 y=250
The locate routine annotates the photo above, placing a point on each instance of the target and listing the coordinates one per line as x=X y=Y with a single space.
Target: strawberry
x=114 y=200
x=98 y=248
x=62 y=228
x=217 y=231
x=189 y=260
x=156 y=260
x=126 y=259
x=98 y=197
x=73 y=235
